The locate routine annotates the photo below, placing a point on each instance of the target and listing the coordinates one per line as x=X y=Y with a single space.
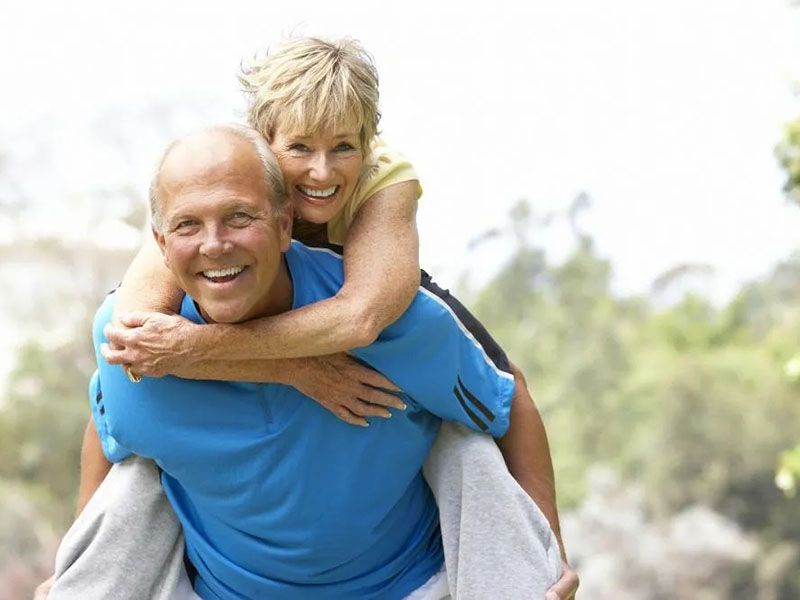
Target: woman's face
x=321 y=170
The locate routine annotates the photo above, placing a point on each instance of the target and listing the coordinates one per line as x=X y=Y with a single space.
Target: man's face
x=220 y=236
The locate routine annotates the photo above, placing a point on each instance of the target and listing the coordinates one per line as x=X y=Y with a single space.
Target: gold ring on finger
x=131 y=375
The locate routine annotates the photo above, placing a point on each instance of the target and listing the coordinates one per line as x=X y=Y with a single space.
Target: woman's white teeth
x=213 y=273
x=326 y=193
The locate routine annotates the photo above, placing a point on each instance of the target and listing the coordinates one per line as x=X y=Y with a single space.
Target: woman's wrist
x=202 y=342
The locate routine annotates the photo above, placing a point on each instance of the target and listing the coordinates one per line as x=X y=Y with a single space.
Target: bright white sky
x=665 y=112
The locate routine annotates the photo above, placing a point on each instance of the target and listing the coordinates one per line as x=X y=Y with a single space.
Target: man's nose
x=320 y=167
x=214 y=243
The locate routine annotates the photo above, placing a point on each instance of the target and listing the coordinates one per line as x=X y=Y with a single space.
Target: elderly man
x=276 y=497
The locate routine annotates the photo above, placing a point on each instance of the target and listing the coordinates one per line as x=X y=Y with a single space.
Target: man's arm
x=527 y=453
x=94 y=466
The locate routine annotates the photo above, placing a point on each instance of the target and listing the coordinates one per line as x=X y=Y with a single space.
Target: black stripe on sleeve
x=98 y=397
x=472 y=415
x=478 y=404
x=468 y=320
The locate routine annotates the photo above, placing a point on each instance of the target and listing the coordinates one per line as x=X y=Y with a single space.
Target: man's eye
x=185 y=224
x=240 y=217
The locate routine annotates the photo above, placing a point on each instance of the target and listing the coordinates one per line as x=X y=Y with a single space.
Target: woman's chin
x=317 y=213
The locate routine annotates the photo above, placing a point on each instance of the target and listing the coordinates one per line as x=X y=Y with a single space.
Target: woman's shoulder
x=384 y=161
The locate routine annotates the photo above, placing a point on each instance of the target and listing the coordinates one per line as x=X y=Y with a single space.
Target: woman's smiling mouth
x=317 y=196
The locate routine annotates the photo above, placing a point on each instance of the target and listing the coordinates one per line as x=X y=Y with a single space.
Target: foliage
x=693 y=402
x=788 y=154
x=789 y=471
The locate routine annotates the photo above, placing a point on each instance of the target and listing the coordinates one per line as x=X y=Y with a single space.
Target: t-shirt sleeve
x=103 y=381
x=385 y=167
x=446 y=362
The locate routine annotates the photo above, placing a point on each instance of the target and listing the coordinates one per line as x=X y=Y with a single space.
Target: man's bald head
x=203 y=155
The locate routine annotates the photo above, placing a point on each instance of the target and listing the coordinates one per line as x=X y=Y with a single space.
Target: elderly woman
x=316 y=102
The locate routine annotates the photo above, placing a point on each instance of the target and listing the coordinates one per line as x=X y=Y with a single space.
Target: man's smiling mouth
x=222 y=275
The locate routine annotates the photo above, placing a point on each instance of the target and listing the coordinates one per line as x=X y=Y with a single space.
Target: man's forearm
x=94 y=466
x=527 y=454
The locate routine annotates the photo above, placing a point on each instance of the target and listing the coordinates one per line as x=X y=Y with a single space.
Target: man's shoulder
x=311 y=250
x=317 y=270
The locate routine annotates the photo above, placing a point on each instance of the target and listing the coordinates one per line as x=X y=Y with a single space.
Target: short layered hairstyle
x=306 y=85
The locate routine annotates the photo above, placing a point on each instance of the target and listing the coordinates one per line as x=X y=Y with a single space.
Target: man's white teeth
x=327 y=193
x=213 y=273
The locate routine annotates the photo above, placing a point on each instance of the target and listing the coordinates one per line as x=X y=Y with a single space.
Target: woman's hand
x=346 y=388
x=150 y=343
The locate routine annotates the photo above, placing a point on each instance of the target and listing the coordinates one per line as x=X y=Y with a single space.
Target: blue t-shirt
x=280 y=499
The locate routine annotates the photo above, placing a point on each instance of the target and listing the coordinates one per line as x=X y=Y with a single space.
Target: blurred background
x=613 y=187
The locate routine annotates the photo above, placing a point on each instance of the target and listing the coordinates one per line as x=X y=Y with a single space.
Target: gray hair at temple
x=271 y=172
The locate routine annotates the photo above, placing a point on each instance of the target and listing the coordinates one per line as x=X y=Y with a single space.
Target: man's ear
x=162 y=243
x=285 y=222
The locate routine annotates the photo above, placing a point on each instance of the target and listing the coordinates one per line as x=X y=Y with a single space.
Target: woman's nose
x=320 y=167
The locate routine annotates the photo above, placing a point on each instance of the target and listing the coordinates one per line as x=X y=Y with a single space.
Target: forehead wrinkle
x=226 y=202
x=207 y=159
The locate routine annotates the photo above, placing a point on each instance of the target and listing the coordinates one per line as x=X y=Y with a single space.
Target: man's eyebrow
x=177 y=218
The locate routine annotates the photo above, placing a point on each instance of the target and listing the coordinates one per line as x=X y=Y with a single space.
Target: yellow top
x=385 y=167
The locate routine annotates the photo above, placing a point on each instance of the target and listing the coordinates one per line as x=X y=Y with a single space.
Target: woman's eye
x=298 y=147
x=345 y=147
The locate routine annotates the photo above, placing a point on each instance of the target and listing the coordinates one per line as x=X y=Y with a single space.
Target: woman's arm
x=348 y=389
x=345 y=387
x=381 y=276
x=148 y=284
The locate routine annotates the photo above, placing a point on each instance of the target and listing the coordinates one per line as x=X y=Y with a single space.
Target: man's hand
x=149 y=343
x=564 y=588
x=347 y=388
x=43 y=589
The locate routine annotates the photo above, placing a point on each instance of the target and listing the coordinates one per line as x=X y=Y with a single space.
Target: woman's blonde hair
x=306 y=85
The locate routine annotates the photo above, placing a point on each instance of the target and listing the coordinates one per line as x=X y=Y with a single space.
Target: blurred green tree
x=690 y=401
x=788 y=154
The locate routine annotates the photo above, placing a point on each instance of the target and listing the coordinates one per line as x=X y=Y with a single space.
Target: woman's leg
x=497 y=543
x=126 y=543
